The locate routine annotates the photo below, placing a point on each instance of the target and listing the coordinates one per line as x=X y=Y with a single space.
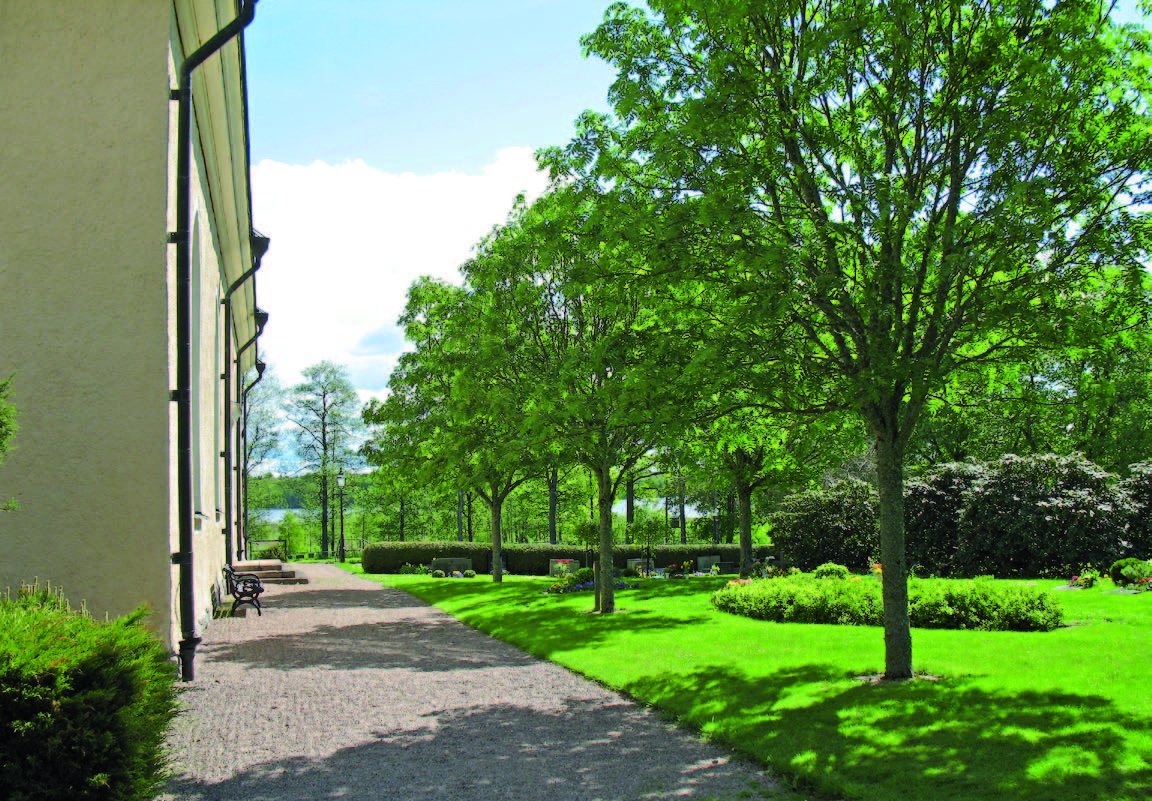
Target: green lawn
x=1061 y=715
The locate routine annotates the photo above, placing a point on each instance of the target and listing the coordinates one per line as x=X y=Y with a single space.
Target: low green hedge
x=937 y=604
x=532 y=559
x=84 y=703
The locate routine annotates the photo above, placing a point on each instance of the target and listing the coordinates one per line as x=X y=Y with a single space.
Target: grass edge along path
x=1062 y=715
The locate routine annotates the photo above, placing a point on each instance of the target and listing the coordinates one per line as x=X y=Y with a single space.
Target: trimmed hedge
x=937 y=604
x=532 y=559
x=84 y=703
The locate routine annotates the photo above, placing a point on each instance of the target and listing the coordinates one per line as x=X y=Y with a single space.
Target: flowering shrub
x=983 y=605
x=1087 y=578
x=558 y=588
x=1029 y=516
x=1138 y=486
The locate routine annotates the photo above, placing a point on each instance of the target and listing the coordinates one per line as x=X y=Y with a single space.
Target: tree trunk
x=497 y=506
x=716 y=520
x=460 y=515
x=744 y=505
x=683 y=517
x=607 y=592
x=731 y=515
x=324 y=512
x=897 y=631
x=553 y=484
x=401 y=518
x=629 y=506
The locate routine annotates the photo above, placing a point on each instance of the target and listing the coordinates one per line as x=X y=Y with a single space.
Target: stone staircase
x=270 y=571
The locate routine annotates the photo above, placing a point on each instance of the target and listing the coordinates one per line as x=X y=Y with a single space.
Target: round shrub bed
x=937 y=604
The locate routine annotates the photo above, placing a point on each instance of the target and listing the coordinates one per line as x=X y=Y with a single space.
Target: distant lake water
x=276 y=515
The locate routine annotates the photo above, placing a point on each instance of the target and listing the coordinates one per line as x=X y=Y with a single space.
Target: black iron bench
x=245 y=588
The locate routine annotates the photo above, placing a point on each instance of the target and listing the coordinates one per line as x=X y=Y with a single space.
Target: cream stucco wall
x=87 y=295
x=83 y=311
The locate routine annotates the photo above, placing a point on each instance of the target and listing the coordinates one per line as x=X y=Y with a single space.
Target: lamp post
x=340 y=479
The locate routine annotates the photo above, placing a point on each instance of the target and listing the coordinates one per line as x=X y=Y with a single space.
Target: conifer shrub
x=1127 y=572
x=831 y=570
x=84 y=704
x=837 y=524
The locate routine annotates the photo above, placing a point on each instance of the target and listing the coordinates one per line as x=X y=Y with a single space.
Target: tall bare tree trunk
x=497 y=507
x=744 y=505
x=553 y=485
x=604 y=498
x=890 y=483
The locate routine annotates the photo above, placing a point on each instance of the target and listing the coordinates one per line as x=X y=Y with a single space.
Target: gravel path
x=345 y=689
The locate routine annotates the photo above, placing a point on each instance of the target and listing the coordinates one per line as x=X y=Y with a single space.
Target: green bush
x=1033 y=516
x=84 y=703
x=469 y=574
x=933 y=506
x=582 y=576
x=1126 y=572
x=831 y=570
x=982 y=605
x=437 y=574
x=1138 y=487
x=828 y=525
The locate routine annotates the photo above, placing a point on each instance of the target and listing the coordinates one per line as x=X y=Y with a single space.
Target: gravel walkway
x=345 y=689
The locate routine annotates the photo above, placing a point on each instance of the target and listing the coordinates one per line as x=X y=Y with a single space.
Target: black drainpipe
x=259 y=248
x=183 y=392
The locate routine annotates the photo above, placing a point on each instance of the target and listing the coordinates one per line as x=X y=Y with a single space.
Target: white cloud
x=347 y=242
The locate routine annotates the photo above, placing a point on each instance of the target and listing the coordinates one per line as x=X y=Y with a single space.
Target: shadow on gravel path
x=344 y=689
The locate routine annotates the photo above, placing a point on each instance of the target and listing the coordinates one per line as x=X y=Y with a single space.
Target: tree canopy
x=909 y=189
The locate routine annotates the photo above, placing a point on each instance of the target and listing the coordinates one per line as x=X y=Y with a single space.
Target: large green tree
x=604 y=385
x=909 y=188
x=322 y=409
x=449 y=412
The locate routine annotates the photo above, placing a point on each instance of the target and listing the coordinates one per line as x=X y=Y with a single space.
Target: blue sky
x=418 y=87
x=386 y=139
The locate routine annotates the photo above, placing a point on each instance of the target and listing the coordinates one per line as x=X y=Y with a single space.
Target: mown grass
x=1009 y=716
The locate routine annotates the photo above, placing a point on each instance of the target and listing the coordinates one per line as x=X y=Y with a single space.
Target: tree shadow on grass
x=581 y=750
x=945 y=739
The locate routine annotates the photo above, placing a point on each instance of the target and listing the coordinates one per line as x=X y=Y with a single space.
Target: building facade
x=113 y=319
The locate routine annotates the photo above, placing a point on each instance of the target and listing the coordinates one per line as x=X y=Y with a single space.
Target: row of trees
x=807 y=222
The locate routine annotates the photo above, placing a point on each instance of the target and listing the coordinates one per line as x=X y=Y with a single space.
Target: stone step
x=270 y=571
x=256 y=565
